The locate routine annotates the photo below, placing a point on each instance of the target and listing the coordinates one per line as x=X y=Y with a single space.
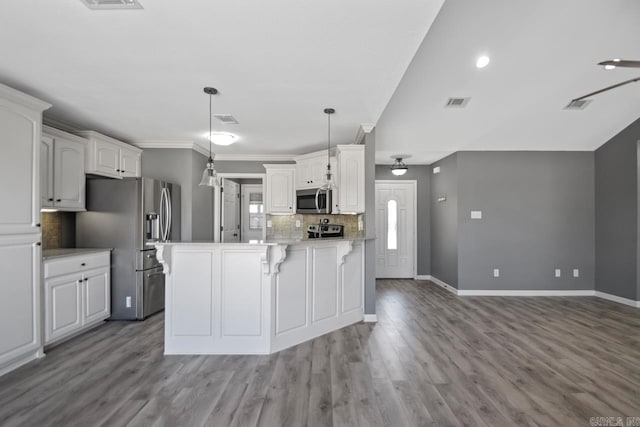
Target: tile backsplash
x=283 y=227
x=58 y=230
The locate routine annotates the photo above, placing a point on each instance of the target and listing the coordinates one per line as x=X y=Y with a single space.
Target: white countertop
x=63 y=252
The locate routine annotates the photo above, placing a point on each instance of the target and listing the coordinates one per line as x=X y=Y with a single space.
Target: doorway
x=239 y=216
x=396 y=229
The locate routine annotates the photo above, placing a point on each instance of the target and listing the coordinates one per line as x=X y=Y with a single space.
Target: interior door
x=395 y=228
x=230 y=211
x=252 y=209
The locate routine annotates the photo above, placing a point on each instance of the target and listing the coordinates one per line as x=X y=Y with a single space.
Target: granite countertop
x=58 y=253
x=268 y=242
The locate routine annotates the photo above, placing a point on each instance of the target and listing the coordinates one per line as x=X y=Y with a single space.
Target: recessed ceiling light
x=482 y=61
x=222 y=138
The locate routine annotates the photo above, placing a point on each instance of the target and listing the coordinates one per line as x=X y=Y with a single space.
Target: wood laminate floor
x=432 y=359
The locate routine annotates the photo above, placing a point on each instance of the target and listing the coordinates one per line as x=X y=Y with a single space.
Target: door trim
x=414 y=184
x=217 y=198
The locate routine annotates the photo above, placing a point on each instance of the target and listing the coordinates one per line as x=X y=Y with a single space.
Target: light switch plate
x=496 y=272
x=297 y=223
x=476 y=214
x=576 y=272
x=558 y=272
x=269 y=223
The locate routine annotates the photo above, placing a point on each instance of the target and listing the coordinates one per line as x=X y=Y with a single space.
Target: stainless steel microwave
x=308 y=203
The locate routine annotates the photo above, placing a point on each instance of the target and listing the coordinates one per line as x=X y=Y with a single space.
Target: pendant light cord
x=210 y=110
x=329 y=142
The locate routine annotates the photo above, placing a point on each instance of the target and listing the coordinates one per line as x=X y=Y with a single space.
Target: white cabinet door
x=318 y=168
x=97 y=296
x=303 y=175
x=63 y=300
x=106 y=158
x=280 y=189
x=19 y=297
x=310 y=172
x=351 y=178
x=130 y=163
x=68 y=175
x=20 y=135
x=46 y=172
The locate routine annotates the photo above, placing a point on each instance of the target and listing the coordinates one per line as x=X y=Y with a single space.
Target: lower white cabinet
x=77 y=293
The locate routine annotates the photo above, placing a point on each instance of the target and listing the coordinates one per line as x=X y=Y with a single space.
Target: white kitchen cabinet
x=280 y=197
x=20 y=135
x=350 y=178
x=77 y=294
x=109 y=157
x=62 y=177
x=311 y=170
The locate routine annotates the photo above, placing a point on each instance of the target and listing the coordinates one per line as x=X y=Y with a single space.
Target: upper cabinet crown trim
x=90 y=134
x=53 y=132
x=21 y=98
x=332 y=153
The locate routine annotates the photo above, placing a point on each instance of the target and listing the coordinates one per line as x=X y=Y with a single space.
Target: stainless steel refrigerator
x=125 y=215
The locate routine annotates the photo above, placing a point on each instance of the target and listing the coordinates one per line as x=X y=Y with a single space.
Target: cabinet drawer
x=76 y=264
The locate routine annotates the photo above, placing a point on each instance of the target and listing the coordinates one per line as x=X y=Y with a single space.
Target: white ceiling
x=543 y=54
x=138 y=75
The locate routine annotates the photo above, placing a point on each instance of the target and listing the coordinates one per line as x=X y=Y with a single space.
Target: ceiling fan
x=609 y=65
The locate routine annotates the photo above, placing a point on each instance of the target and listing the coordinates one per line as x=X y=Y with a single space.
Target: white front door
x=395 y=229
x=230 y=211
x=252 y=212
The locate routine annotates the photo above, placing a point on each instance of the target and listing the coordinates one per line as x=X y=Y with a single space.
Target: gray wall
x=616 y=193
x=370 y=222
x=183 y=167
x=538 y=214
x=421 y=174
x=444 y=221
x=244 y=167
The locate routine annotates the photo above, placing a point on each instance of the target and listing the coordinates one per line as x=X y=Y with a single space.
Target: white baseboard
x=615 y=298
x=422 y=277
x=443 y=284
x=525 y=293
x=370 y=318
x=530 y=293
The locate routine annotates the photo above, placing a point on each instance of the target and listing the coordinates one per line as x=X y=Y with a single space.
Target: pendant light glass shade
x=399 y=168
x=209 y=175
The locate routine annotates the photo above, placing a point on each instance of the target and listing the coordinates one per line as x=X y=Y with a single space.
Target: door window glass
x=256 y=211
x=392 y=225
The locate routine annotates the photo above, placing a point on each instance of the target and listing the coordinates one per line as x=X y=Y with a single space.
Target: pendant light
x=399 y=167
x=328 y=185
x=210 y=176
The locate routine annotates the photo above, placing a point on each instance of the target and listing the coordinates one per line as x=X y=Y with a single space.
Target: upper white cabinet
x=280 y=194
x=109 y=157
x=350 y=159
x=311 y=170
x=20 y=134
x=62 y=178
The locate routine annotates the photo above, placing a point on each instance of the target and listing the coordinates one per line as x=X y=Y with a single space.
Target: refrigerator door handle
x=168 y=201
x=162 y=215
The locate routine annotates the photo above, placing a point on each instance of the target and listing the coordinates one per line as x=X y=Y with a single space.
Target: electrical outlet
x=128 y=302
x=558 y=272
x=297 y=223
x=496 y=272
x=476 y=214
x=269 y=223
x=576 y=272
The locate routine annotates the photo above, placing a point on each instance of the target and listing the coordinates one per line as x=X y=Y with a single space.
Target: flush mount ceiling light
x=399 y=167
x=482 y=61
x=112 y=4
x=223 y=138
x=209 y=175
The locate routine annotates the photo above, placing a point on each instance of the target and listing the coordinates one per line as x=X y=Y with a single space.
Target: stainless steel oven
x=313 y=201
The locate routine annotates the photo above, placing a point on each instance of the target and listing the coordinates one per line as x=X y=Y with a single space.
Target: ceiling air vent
x=457 y=102
x=112 y=4
x=578 y=105
x=227 y=119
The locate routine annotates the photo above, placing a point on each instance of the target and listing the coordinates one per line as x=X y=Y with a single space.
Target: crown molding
x=363 y=130
x=23 y=99
x=224 y=157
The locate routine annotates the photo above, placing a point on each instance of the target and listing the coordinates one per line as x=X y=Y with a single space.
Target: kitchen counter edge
x=48 y=254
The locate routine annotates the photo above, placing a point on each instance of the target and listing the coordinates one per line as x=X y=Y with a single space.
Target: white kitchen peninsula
x=259 y=298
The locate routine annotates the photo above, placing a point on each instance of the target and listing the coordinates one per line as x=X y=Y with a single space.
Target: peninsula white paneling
x=291 y=291
x=191 y=297
x=241 y=293
x=325 y=282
